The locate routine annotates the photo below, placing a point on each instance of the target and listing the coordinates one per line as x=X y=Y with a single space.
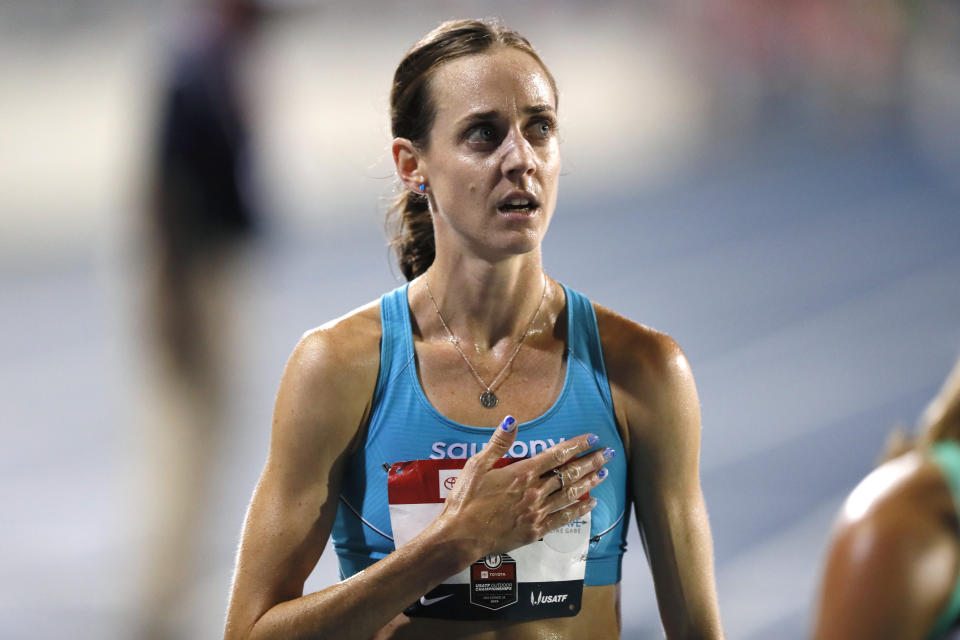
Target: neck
x=487 y=303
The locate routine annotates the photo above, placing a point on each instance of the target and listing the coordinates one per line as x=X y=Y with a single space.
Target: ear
x=408 y=163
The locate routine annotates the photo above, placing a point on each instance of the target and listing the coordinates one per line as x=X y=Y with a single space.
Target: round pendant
x=489 y=399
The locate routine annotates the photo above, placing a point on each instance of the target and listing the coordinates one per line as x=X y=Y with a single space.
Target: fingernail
x=593 y=439
x=593 y=503
x=602 y=473
x=508 y=424
x=608 y=453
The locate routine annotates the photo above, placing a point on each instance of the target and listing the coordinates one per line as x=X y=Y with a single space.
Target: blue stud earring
x=423 y=187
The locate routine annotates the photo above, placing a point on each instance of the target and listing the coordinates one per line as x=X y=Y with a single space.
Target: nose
x=519 y=159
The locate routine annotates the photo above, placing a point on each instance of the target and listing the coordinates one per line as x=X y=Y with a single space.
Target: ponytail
x=410 y=227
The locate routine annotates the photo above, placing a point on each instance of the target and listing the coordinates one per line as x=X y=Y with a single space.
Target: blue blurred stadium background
x=777 y=185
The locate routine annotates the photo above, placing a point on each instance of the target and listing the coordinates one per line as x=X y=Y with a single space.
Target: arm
x=658 y=409
x=892 y=561
x=321 y=402
x=323 y=398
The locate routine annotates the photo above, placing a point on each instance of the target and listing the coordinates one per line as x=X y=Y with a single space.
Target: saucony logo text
x=519 y=449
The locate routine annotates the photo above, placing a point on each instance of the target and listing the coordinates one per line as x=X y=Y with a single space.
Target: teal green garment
x=946 y=455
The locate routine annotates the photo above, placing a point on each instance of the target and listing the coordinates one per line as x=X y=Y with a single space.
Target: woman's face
x=492 y=160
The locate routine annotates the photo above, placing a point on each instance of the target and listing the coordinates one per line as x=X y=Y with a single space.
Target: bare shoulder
x=328 y=384
x=895 y=546
x=904 y=502
x=646 y=368
x=346 y=345
x=637 y=356
x=906 y=481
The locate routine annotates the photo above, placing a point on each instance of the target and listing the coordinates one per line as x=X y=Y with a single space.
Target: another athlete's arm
x=657 y=404
x=323 y=398
x=893 y=558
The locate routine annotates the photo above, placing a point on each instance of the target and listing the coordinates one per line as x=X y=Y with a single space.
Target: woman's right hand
x=496 y=510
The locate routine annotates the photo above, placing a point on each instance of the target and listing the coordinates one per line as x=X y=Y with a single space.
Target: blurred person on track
x=384 y=433
x=201 y=209
x=893 y=564
x=201 y=217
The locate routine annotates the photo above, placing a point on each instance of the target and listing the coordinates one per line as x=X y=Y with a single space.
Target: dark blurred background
x=776 y=184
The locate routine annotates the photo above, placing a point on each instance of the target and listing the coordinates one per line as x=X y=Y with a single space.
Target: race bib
x=543 y=579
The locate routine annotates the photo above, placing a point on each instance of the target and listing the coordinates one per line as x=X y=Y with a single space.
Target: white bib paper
x=543 y=579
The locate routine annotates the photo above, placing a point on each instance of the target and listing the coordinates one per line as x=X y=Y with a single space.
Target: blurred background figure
x=202 y=214
x=893 y=565
x=201 y=208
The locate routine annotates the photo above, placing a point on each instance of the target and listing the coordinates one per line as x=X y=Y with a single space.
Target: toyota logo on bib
x=448 y=478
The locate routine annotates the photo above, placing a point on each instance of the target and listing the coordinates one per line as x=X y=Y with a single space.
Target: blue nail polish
x=508 y=424
x=608 y=453
x=602 y=473
x=593 y=439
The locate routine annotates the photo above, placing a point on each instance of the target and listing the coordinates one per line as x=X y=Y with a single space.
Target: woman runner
x=594 y=403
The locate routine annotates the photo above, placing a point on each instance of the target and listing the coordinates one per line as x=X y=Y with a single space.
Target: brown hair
x=412 y=113
x=940 y=420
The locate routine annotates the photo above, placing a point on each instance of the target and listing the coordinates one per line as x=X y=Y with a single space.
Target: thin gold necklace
x=488 y=398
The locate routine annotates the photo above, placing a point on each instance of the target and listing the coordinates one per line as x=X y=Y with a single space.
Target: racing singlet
x=406 y=434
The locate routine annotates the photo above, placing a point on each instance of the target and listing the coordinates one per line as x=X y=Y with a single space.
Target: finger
x=500 y=442
x=572 y=492
x=578 y=468
x=569 y=514
x=560 y=453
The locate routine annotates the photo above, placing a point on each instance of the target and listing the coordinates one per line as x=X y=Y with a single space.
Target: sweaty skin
x=494 y=142
x=894 y=556
x=301 y=481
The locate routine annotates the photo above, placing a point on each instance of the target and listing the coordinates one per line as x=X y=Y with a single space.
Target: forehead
x=503 y=80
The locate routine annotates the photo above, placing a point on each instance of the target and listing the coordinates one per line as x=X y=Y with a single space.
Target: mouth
x=518 y=203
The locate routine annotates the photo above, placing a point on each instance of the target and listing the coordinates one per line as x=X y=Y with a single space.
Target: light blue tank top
x=404 y=425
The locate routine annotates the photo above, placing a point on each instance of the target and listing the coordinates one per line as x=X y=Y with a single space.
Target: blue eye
x=543 y=128
x=482 y=133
